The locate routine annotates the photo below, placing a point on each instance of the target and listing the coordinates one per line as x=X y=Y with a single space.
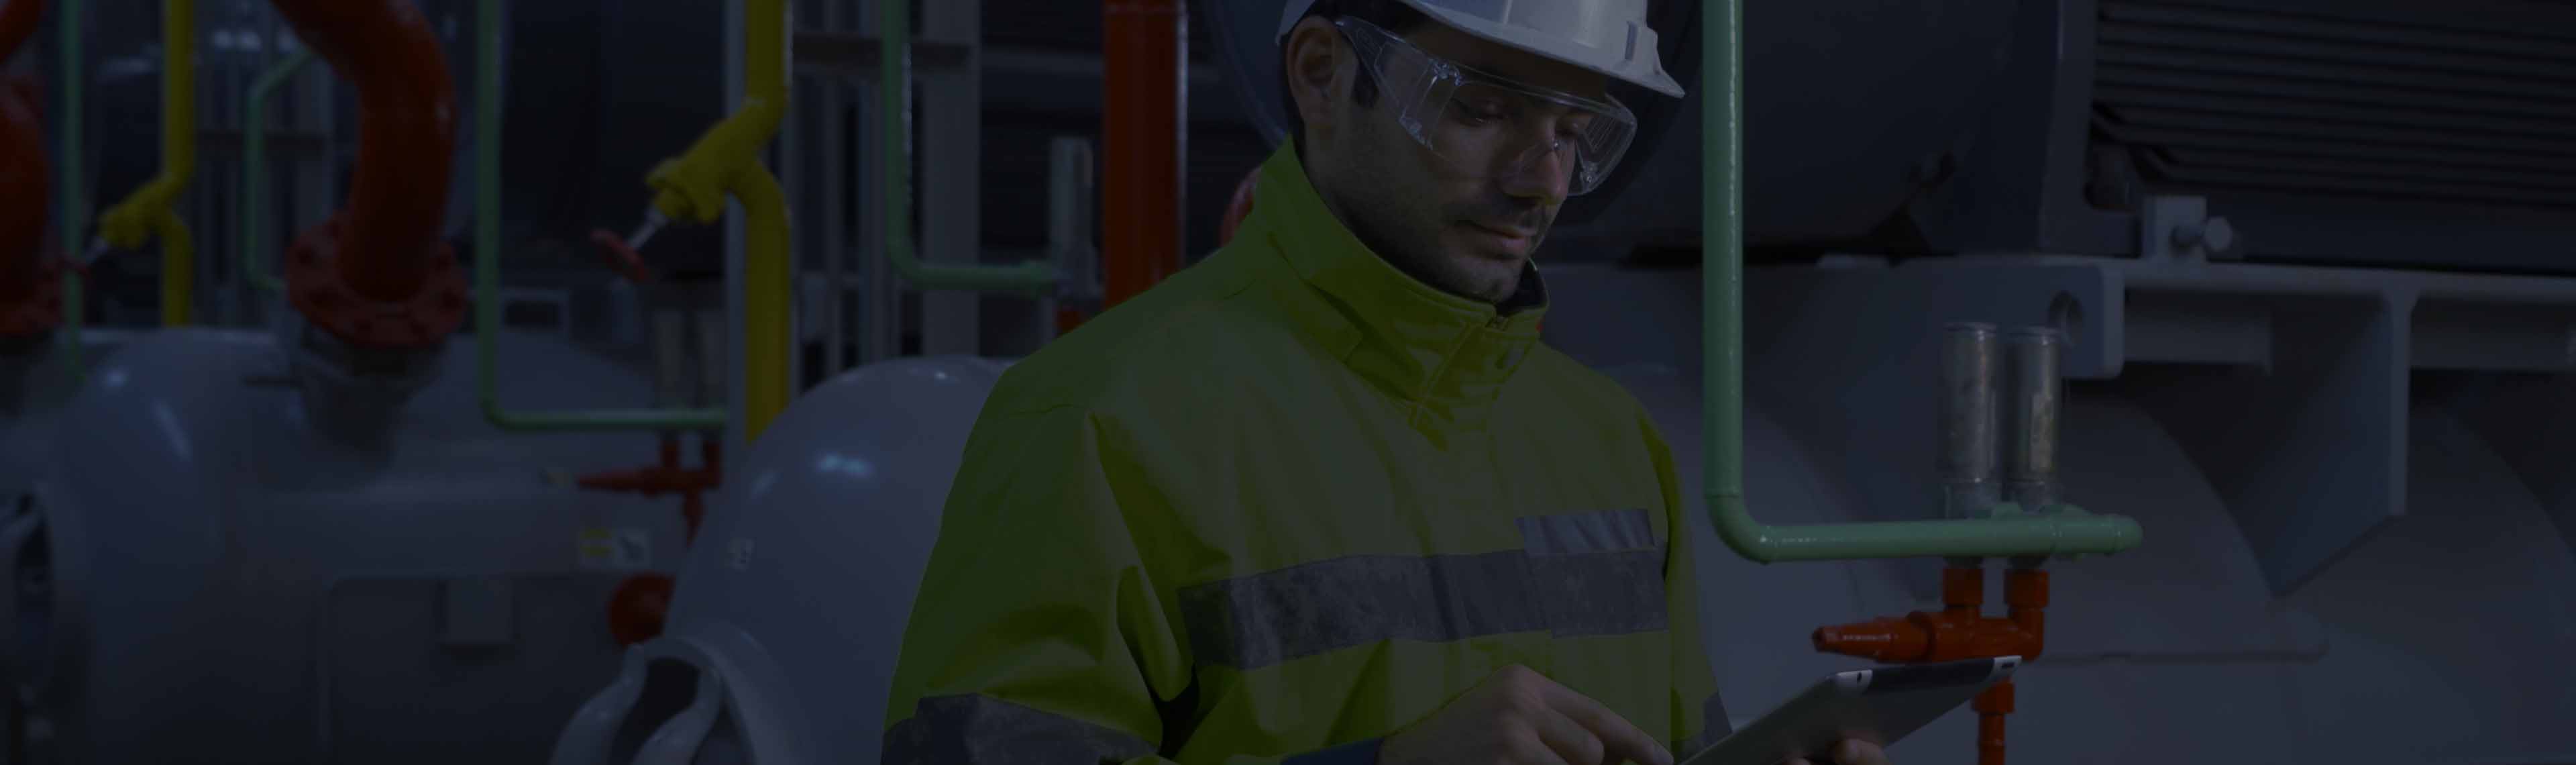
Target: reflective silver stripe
x=1576 y=533
x=982 y=730
x=1259 y=620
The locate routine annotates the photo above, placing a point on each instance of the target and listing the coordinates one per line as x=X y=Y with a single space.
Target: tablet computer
x=1875 y=705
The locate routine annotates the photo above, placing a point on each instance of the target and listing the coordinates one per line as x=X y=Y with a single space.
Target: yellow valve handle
x=692 y=186
x=132 y=222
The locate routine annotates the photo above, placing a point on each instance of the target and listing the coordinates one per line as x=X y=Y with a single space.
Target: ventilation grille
x=2431 y=108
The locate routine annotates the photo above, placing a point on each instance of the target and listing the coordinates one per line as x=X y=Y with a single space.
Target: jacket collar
x=1445 y=358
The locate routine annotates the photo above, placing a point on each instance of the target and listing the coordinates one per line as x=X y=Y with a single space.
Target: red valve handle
x=621 y=257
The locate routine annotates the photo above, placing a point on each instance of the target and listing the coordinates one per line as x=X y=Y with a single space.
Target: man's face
x=1458 y=221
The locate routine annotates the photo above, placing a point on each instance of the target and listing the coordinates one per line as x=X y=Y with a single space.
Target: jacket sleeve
x=1698 y=718
x=1038 y=634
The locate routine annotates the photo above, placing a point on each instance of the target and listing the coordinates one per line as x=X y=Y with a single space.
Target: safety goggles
x=1485 y=123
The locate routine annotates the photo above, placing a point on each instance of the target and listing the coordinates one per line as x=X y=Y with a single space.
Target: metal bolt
x=2211 y=236
x=2218 y=235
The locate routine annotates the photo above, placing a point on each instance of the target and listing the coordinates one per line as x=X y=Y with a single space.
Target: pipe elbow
x=693 y=186
x=132 y=222
x=1736 y=527
x=761 y=198
x=407 y=128
x=172 y=231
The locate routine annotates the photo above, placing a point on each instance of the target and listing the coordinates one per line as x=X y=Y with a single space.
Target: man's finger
x=1618 y=738
x=1571 y=742
x=1854 y=751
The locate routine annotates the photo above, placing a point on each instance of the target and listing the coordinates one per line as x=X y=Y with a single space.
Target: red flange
x=314 y=283
x=637 y=608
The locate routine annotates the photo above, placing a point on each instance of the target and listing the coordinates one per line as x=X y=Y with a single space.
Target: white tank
x=206 y=575
x=34 y=384
x=782 y=636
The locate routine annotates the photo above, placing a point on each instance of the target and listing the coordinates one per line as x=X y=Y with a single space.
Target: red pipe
x=26 y=181
x=406 y=129
x=1143 y=129
x=1991 y=705
x=17 y=22
x=1960 y=630
x=26 y=178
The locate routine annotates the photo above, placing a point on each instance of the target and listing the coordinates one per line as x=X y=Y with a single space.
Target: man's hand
x=1517 y=715
x=1851 y=751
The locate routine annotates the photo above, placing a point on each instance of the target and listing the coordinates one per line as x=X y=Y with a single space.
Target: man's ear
x=1311 y=64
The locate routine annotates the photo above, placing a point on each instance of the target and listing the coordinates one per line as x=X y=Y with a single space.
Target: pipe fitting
x=385 y=248
x=353 y=391
x=315 y=271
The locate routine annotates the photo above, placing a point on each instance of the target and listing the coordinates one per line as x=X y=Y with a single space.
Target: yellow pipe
x=725 y=161
x=768 y=291
x=146 y=213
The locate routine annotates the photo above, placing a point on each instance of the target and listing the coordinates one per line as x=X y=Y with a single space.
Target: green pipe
x=487 y=268
x=2064 y=530
x=69 y=222
x=894 y=106
x=254 y=226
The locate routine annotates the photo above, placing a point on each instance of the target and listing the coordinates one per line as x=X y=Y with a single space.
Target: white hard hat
x=1606 y=36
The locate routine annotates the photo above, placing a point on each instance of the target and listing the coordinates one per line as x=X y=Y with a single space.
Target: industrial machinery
x=2335 y=469
x=42 y=341
x=2299 y=267
x=757 y=665
x=321 y=510
x=2342 y=473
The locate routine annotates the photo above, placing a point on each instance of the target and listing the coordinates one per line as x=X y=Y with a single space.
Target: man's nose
x=1540 y=174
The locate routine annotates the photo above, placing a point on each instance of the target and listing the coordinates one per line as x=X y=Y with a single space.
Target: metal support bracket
x=2180 y=228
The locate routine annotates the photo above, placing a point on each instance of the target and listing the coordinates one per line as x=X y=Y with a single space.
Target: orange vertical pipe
x=1992 y=705
x=406 y=130
x=1144 y=137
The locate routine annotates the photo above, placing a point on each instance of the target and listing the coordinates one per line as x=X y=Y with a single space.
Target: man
x=1323 y=497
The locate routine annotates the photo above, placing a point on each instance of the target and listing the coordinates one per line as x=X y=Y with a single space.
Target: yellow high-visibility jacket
x=1285 y=504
